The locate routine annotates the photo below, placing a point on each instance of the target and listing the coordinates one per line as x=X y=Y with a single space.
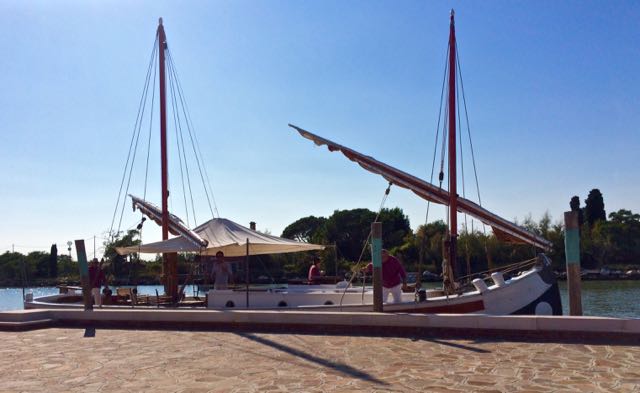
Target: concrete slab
x=86 y=360
x=512 y=322
x=579 y=324
x=417 y=325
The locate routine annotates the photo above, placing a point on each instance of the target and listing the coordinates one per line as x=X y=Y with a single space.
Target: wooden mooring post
x=376 y=258
x=572 y=252
x=84 y=275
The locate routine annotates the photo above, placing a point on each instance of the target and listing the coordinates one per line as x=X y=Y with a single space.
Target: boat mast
x=169 y=259
x=453 y=195
x=162 y=41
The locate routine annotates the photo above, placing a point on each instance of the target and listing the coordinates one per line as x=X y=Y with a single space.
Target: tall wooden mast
x=169 y=259
x=162 y=42
x=453 y=195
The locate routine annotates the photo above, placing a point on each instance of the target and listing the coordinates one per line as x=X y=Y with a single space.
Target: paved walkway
x=75 y=360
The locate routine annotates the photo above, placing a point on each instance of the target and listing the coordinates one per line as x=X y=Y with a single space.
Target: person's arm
x=403 y=274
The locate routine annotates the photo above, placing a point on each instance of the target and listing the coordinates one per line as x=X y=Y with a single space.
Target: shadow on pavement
x=340 y=367
x=454 y=345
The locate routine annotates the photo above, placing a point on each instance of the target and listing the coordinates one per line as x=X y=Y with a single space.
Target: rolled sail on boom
x=503 y=229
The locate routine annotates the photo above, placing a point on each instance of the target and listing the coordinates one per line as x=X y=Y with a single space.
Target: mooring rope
x=356 y=267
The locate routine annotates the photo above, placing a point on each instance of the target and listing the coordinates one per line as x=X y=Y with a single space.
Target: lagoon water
x=599 y=298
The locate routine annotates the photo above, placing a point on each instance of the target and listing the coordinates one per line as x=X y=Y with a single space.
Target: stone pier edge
x=471 y=326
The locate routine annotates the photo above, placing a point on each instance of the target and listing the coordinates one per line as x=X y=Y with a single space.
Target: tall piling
x=572 y=252
x=84 y=275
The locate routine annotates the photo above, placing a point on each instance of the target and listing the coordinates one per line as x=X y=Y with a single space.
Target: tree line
x=612 y=241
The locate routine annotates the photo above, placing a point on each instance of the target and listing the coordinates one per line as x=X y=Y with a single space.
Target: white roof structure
x=226 y=236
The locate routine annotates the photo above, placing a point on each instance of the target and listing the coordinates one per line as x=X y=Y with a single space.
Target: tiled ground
x=64 y=360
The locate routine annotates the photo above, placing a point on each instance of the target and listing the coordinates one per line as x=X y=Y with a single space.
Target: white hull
x=535 y=291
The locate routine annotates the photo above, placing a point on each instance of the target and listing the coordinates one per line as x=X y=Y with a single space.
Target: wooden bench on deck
x=128 y=296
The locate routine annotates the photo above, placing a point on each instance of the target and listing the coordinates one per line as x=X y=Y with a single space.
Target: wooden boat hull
x=534 y=292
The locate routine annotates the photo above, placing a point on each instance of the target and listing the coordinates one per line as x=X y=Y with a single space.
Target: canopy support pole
x=246 y=274
x=376 y=258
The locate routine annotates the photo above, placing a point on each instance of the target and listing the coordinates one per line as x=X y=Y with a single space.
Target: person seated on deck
x=221 y=272
x=106 y=294
x=315 y=274
x=394 y=277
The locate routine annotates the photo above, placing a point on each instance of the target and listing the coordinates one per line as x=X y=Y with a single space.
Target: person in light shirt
x=96 y=279
x=221 y=272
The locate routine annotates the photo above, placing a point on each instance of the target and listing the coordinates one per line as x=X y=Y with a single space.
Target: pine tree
x=594 y=209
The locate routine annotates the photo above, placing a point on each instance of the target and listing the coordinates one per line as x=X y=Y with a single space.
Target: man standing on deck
x=221 y=271
x=96 y=278
x=394 y=277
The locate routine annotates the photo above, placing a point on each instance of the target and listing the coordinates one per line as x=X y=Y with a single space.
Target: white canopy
x=226 y=236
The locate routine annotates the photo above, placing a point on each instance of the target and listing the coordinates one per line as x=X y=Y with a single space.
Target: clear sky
x=552 y=91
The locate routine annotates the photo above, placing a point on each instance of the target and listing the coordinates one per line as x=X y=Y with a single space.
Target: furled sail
x=176 y=227
x=227 y=236
x=503 y=229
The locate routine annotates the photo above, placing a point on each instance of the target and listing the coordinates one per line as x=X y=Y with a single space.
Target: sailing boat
x=533 y=291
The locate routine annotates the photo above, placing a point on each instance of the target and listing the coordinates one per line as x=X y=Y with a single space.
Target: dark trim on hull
x=460 y=308
x=550 y=296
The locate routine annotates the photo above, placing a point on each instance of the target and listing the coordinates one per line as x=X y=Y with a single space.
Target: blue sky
x=552 y=90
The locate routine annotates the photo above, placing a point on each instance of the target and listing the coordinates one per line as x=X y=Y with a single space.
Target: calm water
x=599 y=298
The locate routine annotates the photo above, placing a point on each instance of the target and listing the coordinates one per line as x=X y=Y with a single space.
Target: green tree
x=395 y=227
x=115 y=261
x=349 y=230
x=557 y=254
x=618 y=240
x=68 y=271
x=53 y=261
x=594 y=207
x=428 y=240
x=11 y=268
x=38 y=265
x=307 y=229
x=575 y=207
x=587 y=248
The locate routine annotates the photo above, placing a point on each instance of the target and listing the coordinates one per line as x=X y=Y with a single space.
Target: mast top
x=160 y=21
x=453 y=12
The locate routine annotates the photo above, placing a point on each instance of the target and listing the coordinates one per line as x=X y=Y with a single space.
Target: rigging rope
x=181 y=152
x=356 y=267
x=464 y=193
x=153 y=100
x=194 y=143
x=136 y=128
x=435 y=146
x=473 y=156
